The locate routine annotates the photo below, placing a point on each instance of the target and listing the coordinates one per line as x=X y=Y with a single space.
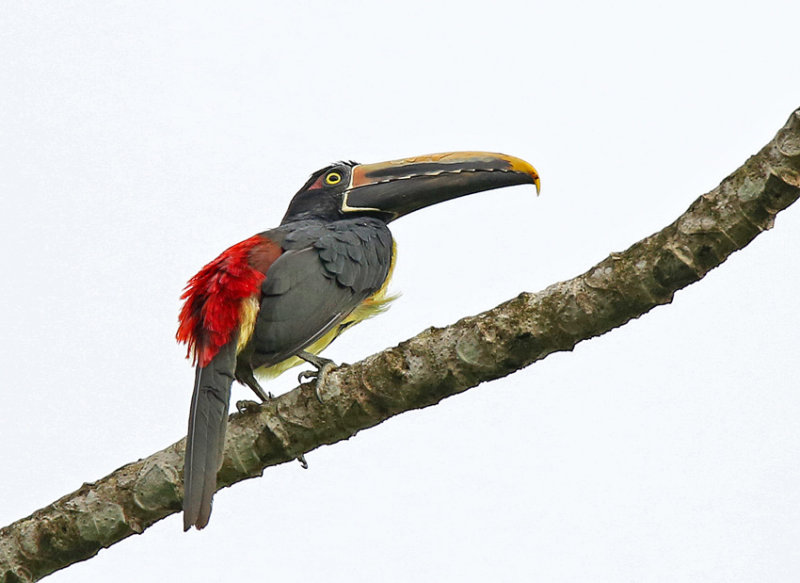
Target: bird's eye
x=333 y=178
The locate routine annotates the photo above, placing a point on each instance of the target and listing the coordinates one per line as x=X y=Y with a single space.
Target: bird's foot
x=246 y=405
x=302 y=459
x=251 y=382
x=323 y=366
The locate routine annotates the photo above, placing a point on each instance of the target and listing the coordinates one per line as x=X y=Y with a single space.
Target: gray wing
x=325 y=273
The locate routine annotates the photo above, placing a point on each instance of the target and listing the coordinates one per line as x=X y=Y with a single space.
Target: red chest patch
x=214 y=296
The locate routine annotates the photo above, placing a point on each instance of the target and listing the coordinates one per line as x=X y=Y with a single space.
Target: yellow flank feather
x=373 y=305
x=248 y=312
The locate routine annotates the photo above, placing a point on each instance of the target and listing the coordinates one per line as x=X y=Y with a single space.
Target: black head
x=321 y=197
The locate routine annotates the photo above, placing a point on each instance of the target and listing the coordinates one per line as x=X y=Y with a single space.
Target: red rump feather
x=214 y=296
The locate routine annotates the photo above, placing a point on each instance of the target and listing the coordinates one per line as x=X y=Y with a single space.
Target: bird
x=281 y=296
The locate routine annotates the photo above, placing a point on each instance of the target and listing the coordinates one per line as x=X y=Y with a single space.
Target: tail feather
x=205 y=441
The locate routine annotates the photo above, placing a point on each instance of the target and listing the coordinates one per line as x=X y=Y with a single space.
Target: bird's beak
x=399 y=187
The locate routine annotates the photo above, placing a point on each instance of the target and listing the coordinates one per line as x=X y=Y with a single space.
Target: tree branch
x=422 y=371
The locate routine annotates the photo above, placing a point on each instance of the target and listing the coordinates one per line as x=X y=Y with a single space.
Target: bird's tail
x=208 y=419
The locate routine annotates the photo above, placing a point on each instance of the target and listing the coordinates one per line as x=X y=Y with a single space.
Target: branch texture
x=422 y=371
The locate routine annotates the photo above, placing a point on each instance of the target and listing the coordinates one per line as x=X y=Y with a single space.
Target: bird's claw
x=323 y=366
x=246 y=405
x=318 y=375
x=306 y=376
x=303 y=463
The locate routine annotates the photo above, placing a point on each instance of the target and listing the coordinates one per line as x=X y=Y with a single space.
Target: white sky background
x=138 y=140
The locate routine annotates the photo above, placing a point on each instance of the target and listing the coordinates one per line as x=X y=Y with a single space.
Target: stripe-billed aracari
x=285 y=294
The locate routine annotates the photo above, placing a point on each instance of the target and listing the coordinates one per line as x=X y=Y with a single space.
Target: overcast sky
x=140 y=139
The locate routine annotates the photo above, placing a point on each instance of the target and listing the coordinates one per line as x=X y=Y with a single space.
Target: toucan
x=278 y=298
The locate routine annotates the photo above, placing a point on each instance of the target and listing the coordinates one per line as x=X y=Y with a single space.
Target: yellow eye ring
x=333 y=178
